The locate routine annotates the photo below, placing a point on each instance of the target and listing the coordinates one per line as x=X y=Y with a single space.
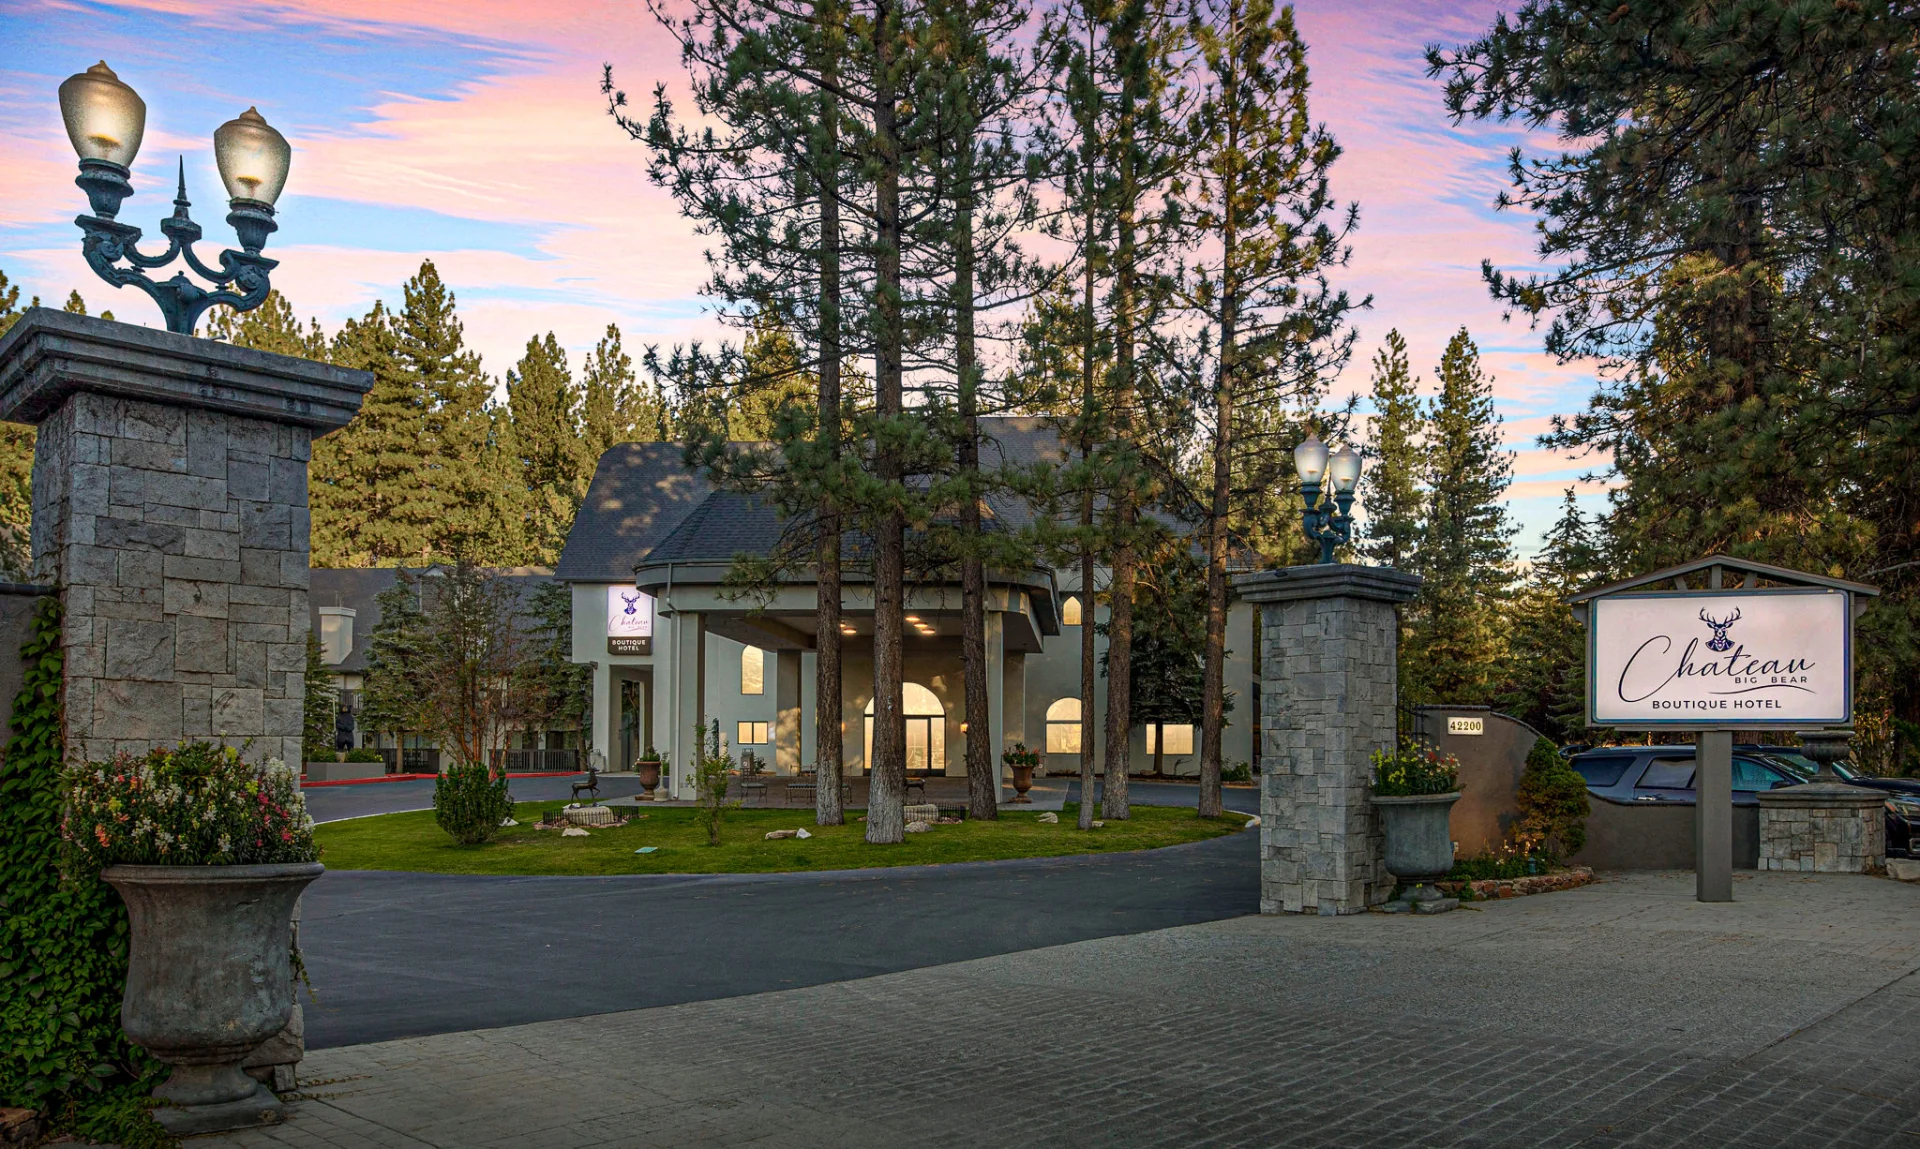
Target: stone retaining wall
x=1494 y=889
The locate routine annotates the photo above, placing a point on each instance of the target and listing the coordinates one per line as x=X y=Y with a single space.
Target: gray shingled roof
x=640 y=493
x=357 y=589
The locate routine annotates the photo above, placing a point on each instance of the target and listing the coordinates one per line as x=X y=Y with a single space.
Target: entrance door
x=926 y=731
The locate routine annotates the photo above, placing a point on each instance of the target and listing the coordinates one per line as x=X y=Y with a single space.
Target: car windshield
x=1804 y=766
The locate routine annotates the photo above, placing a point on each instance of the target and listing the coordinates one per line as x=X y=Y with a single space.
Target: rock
x=19 y=1126
x=1097 y=823
x=508 y=822
x=1050 y=818
x=574 y=832
x=918 y=827
x=772 y=834
x=1904 y=869
x=802 y=833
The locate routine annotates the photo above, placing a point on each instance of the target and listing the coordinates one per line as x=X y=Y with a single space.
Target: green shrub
x=1414 y=769
x=1238 y=772
x=196 y=804
x=365 y=754
x=63 y=939
x=711 y=765
x=470 y=803
x=1553 y=803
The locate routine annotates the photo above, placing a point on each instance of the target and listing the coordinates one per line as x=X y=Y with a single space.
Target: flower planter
x=209 y=980
x=1419 y=845
x=1022 y=782
x=649 y=772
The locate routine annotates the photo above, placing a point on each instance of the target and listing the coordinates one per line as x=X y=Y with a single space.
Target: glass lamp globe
x=1310 y=459
x=253 y=158
x=105 y=119
x=1345 y=469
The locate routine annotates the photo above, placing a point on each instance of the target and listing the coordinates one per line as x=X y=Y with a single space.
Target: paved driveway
x=358 y=799
x=1621 y=1014
x=400 y=954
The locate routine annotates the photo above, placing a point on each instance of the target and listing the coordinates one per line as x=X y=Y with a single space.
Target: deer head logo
x=633 y=600
x=1719 y=641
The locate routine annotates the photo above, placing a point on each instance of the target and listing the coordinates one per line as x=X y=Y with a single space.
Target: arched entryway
x=926 y=731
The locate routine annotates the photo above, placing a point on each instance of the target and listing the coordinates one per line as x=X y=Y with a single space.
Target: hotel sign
x=1719 y=659
x=629 y=620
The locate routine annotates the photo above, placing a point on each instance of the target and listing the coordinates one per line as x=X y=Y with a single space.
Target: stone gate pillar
x=1328 y=689
x=170 y=511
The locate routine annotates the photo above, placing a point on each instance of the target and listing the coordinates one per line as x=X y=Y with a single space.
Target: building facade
x=677 y=644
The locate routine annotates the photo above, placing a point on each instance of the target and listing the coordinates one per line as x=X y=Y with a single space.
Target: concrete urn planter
x=209 y=980
x=1022 y=782
x=1419 y=844
x=649 y=771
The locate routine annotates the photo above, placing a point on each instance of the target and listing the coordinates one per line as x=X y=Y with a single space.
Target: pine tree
x=1390 y=486
x=16 y=467
x=1465 y=554
x=1257 y=194
x=1728 y=228
x=78 y=306
x=549 y=452
x=614 y=406
x=321 y=703
x=393 y=689
x=465 y=484
x=271 y=326
x=1544 y=680
x=368 y=480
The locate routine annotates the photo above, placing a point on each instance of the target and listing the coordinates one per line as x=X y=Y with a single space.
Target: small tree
x=322 y=704
x=390 y=697
x=711 y=765
x=475 y=659
x=1553 y=802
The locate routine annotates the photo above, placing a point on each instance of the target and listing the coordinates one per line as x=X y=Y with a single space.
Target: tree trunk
x=1113 y=801
x=983 y=779
x=1213 y=695
x=828 y=708
x=886 y=791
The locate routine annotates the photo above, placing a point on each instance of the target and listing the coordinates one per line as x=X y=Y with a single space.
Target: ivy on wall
x=63 y=944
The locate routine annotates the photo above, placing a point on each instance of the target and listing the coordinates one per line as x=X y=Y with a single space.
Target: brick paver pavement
x=1622 y=1014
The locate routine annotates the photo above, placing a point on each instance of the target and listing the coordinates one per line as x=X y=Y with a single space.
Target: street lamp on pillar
x=1326 y=516
x=105 y=120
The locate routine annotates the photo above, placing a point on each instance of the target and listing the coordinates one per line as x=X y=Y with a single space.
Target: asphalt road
x=359 y=799
x=402 y=955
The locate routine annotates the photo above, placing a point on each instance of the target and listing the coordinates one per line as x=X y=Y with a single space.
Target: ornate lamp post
x=1326 y=516
x=105 y=120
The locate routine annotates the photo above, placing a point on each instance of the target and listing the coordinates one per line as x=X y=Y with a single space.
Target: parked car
x=1663 y=775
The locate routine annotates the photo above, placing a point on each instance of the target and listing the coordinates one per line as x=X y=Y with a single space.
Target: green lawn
x=413 y=842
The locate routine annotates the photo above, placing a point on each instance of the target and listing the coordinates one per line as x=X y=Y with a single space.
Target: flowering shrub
x=195 y=804
x=1417 y=769
x=1021 y=756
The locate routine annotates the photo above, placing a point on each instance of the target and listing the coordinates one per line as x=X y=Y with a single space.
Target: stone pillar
x=170 y=510
x=1328 y=690
x=1824 y=826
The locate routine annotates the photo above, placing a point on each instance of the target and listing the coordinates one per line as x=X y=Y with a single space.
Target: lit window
x=1070 y=613
x=753 y=671
x=752 y=734
x=1063 y=724
x=1179 y=739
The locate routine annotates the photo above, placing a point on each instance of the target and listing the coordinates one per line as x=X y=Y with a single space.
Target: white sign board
x=1720 y=659
x=629 y=620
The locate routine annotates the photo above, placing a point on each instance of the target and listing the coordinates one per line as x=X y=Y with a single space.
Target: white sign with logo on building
x=1719 y=659
x=629 y=620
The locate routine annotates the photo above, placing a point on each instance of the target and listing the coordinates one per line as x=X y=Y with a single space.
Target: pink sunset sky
x=473 y=132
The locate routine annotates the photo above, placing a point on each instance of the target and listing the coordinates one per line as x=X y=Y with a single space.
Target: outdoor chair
x=590 y=786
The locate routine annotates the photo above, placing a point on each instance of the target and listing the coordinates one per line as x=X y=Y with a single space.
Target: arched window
x=753 y=671
x=1063 y=726
x=1070 y=610
x=926 y=730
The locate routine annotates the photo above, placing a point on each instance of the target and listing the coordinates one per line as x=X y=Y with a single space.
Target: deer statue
x=1720 y=641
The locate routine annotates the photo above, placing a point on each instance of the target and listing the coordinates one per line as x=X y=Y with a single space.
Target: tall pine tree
x=548 y=452
x=1465 y=554
x=1544 y=679
x=1390 y=487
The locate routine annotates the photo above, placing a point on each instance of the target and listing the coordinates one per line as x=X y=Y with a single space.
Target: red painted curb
x=306 y=785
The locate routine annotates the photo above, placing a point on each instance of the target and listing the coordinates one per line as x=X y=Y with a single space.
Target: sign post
x=1683 y=648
